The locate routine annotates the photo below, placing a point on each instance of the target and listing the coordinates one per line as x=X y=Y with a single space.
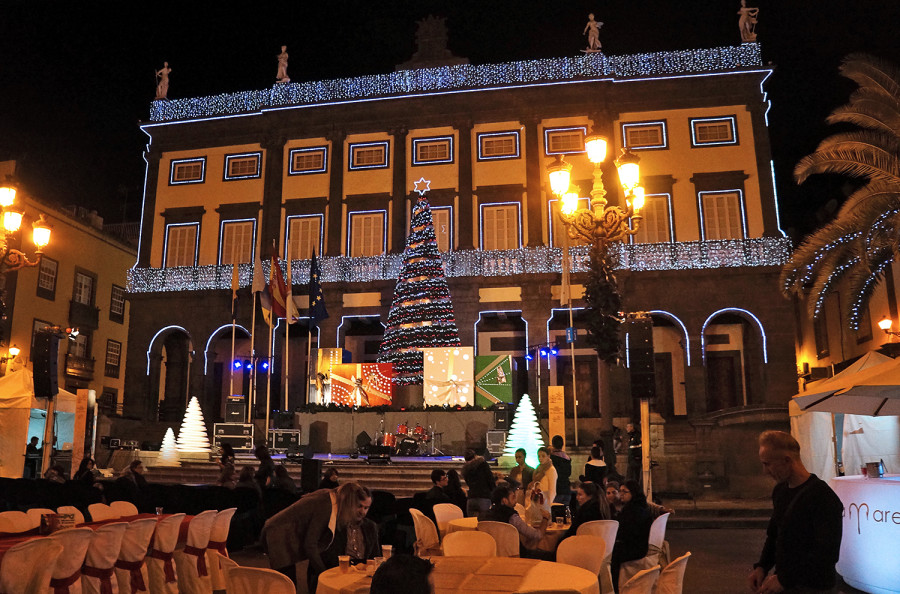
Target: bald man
x=803 y=539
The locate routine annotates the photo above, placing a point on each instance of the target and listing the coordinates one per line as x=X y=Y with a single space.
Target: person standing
x=542 y=490
x=595 y=468
x=635 y=454
x=480 y=481
x=563 y=465
x=803 y=540
x=33 y=456
x=265 y=474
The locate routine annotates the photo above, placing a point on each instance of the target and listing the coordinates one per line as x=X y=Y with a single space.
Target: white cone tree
x=168 y=451
x=525 y=432
x=192 y=436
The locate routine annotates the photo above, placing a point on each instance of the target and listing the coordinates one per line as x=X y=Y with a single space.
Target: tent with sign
x=22 y=416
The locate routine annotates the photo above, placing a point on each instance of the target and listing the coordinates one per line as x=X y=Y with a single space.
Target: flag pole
x=235 y=283
x=252 y=395
x=287 y=327
x=269 y=378
x=309 y=377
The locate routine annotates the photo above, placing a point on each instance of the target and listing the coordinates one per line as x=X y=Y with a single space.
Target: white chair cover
x=193 y=574
x=34 y=516
x=252 y=580
x=160 y=559
x=607 y=530
x=14 y=522
x=654 y=548
x=505 y=535
x=28 y=566
x=66 y=576
x=218 y=537
x=470 y=543
x=427 y=542
x=131 y=571
x=101 y=511
x=223 y=564
x=98 y=575
x=641 y=583
x=123 y=508
x=583 y=551
x=71 y=509
x=671 y=580
x=443 y=513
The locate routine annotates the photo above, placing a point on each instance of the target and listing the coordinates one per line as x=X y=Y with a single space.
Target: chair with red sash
x=193 y=574
x=131 y=571
x=34 y=515
x=218 y=537
x=160 y=559
x=98 y=574
x=123 y=509
x=28 y=566
x=66 y=576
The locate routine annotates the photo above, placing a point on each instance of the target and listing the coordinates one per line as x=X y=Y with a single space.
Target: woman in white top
x=544 y=480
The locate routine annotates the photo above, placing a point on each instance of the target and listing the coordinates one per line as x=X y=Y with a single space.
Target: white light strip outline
x=196 y=240
x=417 y=141
x=660 y=123
x=352 y=148
x=287 y=232
x=628 y=350
x=738 y=310
x=481 y=207
x=308 y=149
x=270 y=358
x=161 y=330
x=502 y=311
x=449 y=209
x=765 y=95
x=357 y=316
x=775 y=196
x=552 y=314
x=632 y=238
x=740 y=194
x=252 y=238
x=550 y=216
x=548 y=131
x=697 y=144
x=687 y=339
x=514 y=133
x=229 y=158
x=174 y=162
x=383 y=228
x=143 y=201
x=209 y=342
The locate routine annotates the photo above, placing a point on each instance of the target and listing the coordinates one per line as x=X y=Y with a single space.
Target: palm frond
x=868 y=71
x=876 y=193
x=847 y=114
x=862 y=282
x=852 y=163
x=864 y=141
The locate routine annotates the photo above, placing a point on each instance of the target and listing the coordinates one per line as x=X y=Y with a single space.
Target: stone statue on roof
x=281 y=76
x=432 y=52
x=747 y=19
x=162 y=81
x=592 y=29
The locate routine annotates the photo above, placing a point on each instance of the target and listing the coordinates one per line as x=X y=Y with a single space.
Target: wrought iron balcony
x=639 y=257
x=80 y=367
x=83 y=317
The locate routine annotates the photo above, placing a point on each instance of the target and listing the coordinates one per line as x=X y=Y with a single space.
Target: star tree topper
x=423 y=185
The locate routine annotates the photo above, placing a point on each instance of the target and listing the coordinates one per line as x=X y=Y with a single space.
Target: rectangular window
x=46 y=284
x=721 y=214
x=713 y=131
x=820 y=328
x=431 y=151
x=369 y=155
x=117 y=304
x=443 y=230
x=83 y=291
x=80 y=346
x=304 y=235
x=498 y=145
x=187 y=171
x=309 y=160
x=113 y=357
x=645 y=135
x=245 y=166
x=564 y=141
x=558 y=227
x=656 y=226
x=181 y=244
x=236 y=241
x=366 y=233
x=500 y=226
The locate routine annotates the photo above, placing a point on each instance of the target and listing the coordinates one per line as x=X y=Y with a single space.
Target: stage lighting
x=544 y=352
x=528 y=356
x=248 y=365
x=554 y=351
x=237 y=364
x=264 y=366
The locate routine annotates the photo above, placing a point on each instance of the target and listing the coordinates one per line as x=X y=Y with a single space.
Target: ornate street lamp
x=13 y=259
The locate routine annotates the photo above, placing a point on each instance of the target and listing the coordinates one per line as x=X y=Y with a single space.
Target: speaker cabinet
x=235 y=409
x=310 y=474
x=503 y=414
x=640 y=358
x=46 y=364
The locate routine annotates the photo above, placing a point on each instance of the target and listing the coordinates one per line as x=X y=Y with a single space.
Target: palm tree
x=863 y=239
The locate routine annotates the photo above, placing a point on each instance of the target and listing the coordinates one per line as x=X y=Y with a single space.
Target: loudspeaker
x=46 y=364
x=363 y=441
x=640 y=358
x=310 y=474
x=235 y=409
x=503 y=414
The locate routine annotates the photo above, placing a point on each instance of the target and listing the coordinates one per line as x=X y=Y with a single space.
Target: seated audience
x=283 y=480
x=633 y=537
x=595 y=470
x=455 y=491
x=134 y=485
x=542 y=490
x=436 y=493
x=226 y=466
x=403 y=573
x=329 y=479
x=503 y=501
x=591 y=506
x=522 y=473
x=85 y=472
x=480 y=481
x=246 y=480
x=266 y=471
x=56 y=474
x=612 y=499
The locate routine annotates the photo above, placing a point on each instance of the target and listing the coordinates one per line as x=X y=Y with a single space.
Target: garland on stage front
x=421 y=312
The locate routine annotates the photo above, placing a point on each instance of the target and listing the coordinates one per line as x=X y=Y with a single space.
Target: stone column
x=148 y=216
x=273 y=176
x=533 y=172
x=763 y=152
x=336 y=193
x=398 y=192
x=463 y=222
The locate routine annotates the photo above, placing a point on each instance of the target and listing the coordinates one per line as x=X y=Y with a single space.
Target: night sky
x=76 y=78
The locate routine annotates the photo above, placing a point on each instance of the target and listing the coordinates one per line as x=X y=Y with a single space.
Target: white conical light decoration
x=192 y=436
x=525 y=432
x=168 y=451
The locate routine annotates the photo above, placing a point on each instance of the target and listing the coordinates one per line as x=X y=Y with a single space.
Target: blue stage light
x=264 y=366
x=528 y=356
x=554 y=351
x=237 y=364
x=544 y=352
x=248 y=365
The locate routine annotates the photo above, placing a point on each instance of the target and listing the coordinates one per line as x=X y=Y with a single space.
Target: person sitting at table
x=266 y=471
x=454 y=490
x=436 y=493
x=85 y=472
x=56 y=474
x=403 y=573
x=283 y=480
x=522 y=473
x=134 y=485
x=591 y=506
x=632 y=539
x=542 y=490
x=246 y=480
x=503 y=501
x=595 y=469
x=319 y=527
x=612 y=499
x=329 y=479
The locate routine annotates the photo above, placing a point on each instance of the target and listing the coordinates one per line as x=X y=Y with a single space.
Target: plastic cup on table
x=386 y=551
x=344 y=563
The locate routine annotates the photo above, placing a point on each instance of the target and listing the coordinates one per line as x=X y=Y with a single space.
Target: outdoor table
x=548 y=543
x=465 y=575
x=460 y=524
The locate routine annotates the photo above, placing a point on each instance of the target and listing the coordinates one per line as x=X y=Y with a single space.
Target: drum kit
x=409 y=441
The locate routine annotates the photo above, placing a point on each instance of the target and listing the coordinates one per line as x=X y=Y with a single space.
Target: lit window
x=371 y=155
x=46 y=285
x=645 y=135
x=181 y=245
x=113 y=357
x=83 y=291
x=564 y=141
x=721 y=215
x=237 y=242
x=366 y=234
x=117 y=304
x=308 y=160
x=242 y=166
x=500 y=226
x=432 y=150
x=187 y=171
x=304 y=233
x=656 y=224
x=498 y=145
x=441 y=216
x=713 y=131
x=80 y=346
x=558 y=227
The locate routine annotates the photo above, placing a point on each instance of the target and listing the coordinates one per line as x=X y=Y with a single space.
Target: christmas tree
x=525 y=432
x=421 y=313
x=168 y=451
x=192 y=436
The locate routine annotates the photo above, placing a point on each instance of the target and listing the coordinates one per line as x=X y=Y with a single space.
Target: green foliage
x=604 y=303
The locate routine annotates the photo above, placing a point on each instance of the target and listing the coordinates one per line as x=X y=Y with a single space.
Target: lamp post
x=601 y=225
x=13 y=259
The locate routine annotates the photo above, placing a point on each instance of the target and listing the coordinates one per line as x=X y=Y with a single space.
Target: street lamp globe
x=7 y=195
x=41 y=233
x=14 y=351
x=637 y=202
x=569 y=203
x=12 y=220
x=595 y=145
x=885 y=324
x=629 y=170
x=560 y=173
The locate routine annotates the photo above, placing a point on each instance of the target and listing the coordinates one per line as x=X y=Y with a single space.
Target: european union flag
x=317 y=309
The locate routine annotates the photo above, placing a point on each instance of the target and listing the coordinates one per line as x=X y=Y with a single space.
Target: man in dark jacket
x=480 y=481
x=803 y=539
x=436 y=493
x=503 y=501
x=563 y=465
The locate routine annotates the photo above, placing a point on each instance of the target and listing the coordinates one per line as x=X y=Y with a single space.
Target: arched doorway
x=169 y=359
x=671 y=358
x=505 y=333
x=734 y=354
x=587 y=379
x=361 y=336
x=226 y=376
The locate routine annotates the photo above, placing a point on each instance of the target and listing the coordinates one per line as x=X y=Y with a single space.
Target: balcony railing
x=80 y=367
x=694 y=255
x=84 y=317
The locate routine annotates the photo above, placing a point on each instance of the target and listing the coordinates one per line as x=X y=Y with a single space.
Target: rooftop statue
x=747 y=22
x=592 y=29
x=162 y=81
x=282 y=76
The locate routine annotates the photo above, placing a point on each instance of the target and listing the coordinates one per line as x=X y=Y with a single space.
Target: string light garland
x=638 y=257
x=595 y=66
